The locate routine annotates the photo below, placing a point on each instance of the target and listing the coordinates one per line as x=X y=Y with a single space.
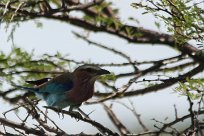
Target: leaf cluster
x=183 y=18
x=20 y=62
x=194 y=88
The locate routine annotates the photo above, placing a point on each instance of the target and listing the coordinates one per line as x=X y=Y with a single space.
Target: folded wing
x=59 y=84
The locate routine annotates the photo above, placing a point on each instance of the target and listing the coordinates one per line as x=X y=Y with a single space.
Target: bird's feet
x=57 y=110
x=72 y=113
x=76 y=115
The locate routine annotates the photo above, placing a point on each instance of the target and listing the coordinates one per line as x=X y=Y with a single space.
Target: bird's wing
x=59 y=84
x=39 y=82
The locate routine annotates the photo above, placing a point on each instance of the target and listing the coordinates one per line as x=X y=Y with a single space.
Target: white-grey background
x=56 y=36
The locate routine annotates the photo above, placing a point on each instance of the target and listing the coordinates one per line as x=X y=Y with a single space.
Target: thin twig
x=21 y=126
x=99 y=126
x=122 y=129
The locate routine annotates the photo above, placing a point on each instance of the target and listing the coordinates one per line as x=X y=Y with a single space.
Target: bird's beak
x=103 y=72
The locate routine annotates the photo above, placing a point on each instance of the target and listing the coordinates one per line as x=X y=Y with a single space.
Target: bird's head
x=90 y=71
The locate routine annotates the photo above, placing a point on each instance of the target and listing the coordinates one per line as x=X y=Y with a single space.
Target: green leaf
x=157 y=24
x=109 y=77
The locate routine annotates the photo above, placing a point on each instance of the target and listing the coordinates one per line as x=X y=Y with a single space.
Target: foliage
x=183 y=20
x=20 y=62
x=194 y=88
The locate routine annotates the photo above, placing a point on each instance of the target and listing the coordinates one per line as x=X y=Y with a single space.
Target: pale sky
x=56 y=36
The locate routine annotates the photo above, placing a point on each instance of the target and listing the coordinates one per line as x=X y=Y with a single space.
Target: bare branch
x=99 y=126
x=22 y=127
x=123 y=130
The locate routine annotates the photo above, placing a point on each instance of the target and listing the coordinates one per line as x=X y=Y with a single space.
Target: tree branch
x=22 y=127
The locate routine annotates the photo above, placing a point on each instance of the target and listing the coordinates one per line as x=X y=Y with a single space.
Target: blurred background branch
x=184 y=22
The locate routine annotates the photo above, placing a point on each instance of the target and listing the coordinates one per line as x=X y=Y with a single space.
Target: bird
x=69 y=89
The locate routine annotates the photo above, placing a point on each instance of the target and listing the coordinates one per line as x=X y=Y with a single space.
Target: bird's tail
x=26 y=88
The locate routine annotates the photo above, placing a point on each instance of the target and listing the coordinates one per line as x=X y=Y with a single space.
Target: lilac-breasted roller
x=67 y=89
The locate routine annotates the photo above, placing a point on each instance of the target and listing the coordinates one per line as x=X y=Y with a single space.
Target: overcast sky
x=56 y=36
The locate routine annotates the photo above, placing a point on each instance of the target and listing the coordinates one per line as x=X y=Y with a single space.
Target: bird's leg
x=71 y=108
x=60 y=111
x=75 y=114
x=57 y=110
